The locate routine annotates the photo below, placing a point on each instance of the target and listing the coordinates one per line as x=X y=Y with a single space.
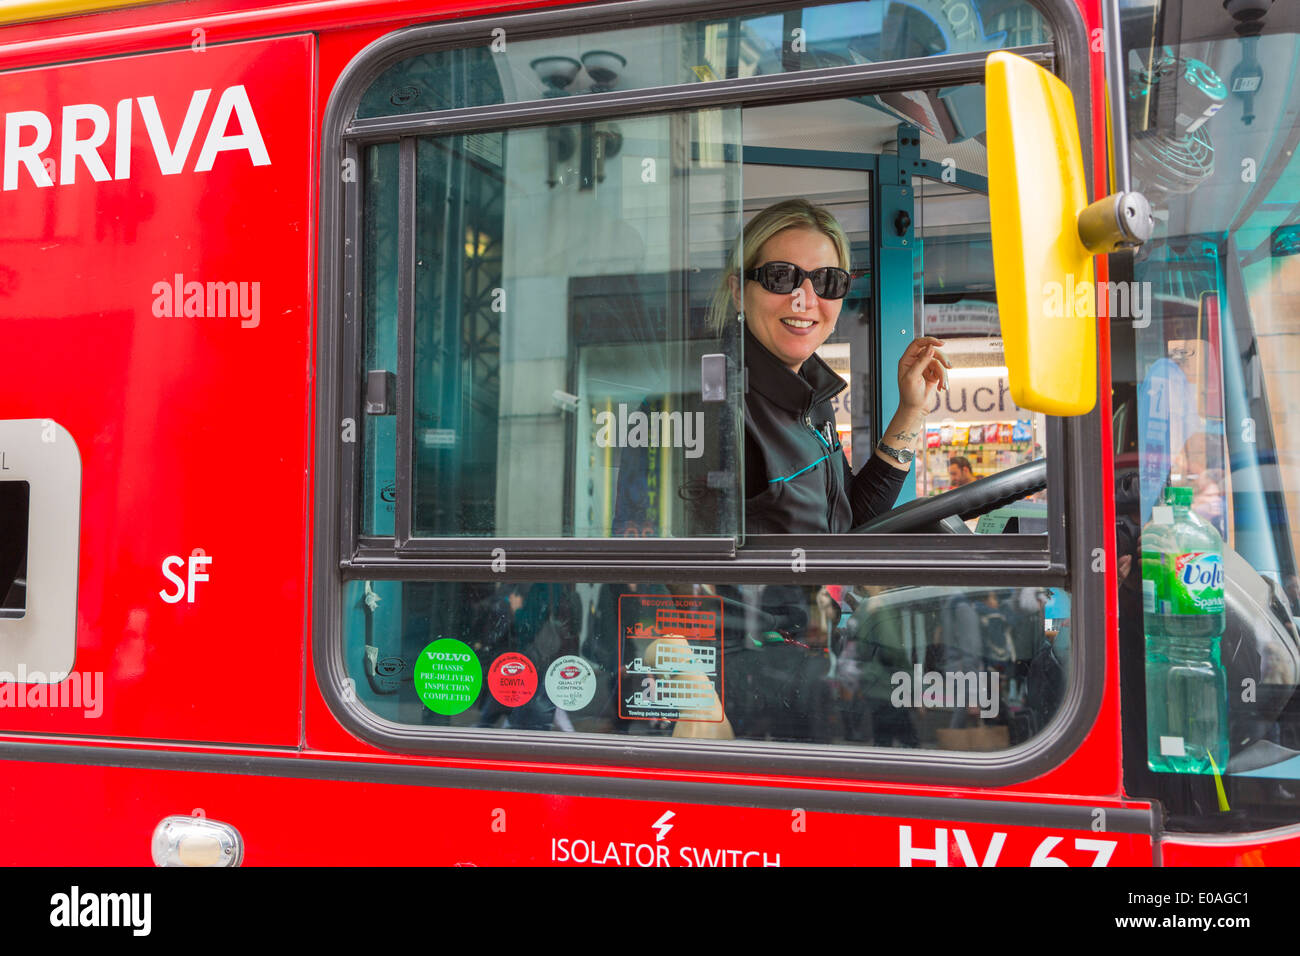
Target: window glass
x=934 y=259
x=846 y=194
x=379 y=226
x=505 y=70
x=976 y=668
x=974 y=429
x=1207 y=358
x=15 y=500
x=569 y=381
x=574 y=374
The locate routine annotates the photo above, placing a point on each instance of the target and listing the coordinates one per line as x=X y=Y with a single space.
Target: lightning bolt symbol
x=662 y=825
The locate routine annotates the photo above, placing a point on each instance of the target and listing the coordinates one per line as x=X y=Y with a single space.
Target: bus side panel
x=1269 y=848
x=330 y=822
x=156 y=294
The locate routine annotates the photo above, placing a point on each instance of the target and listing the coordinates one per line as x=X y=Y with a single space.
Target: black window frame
x=1067 y=560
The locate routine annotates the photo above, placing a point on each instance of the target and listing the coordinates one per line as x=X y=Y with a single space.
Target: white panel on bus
x=38 y=609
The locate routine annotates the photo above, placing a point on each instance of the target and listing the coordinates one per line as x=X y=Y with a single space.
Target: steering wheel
x=942 y=512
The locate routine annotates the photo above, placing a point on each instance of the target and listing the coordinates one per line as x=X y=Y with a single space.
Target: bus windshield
x=1206 y=352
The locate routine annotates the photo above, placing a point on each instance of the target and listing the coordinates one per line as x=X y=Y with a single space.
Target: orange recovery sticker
x=670 y=657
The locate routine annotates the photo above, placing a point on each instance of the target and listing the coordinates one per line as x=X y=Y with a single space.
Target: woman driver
x=794 y=260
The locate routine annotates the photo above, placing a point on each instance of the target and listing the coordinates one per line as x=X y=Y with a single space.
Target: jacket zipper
x=830 y=504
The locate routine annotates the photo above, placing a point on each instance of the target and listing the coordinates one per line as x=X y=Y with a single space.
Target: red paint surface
x=334 y=822
x=196 y=433
x=1271 y=848
x=192 y=430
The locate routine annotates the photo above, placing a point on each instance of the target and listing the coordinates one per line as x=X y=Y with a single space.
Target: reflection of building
x=1022 y=24
x=686 y=623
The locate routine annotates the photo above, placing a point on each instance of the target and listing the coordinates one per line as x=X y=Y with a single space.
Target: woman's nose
x=809 y=295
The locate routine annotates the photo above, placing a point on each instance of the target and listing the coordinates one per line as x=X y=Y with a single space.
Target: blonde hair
x=790 y=214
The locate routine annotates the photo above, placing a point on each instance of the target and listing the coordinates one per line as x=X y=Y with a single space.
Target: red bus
x=357 y=362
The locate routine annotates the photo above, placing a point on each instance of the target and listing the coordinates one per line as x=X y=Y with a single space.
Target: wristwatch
x=903 y=456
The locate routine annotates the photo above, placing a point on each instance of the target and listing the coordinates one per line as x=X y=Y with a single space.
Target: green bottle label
x=1197 y=583
x=1182 y=584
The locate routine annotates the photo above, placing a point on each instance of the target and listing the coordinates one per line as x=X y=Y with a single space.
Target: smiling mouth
x=798 y=323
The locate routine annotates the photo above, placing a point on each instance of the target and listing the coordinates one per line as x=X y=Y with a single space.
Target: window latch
x=381 y=392
x=713 y=377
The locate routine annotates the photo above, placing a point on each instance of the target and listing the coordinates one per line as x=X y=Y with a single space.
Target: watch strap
x=903 y=456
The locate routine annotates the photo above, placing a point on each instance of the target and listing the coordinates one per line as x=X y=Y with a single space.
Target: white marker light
x=196 y=841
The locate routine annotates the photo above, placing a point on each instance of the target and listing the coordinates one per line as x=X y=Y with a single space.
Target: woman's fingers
x=931 y=340
x=932 y=368
x=927 y=340
x=920 y=345
x=938 y=365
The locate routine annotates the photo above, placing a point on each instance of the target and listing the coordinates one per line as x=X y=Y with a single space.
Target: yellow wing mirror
x=1044 y=237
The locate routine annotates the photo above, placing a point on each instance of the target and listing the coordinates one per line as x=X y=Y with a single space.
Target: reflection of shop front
x=976 y=419
x=837 y=356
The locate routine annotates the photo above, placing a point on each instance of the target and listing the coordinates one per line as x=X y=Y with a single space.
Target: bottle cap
x=1178 y=495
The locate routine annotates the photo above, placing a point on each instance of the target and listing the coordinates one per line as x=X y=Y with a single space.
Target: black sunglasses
x=784 y=277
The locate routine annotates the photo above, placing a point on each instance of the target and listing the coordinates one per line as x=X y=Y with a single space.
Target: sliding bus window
x=551 y=380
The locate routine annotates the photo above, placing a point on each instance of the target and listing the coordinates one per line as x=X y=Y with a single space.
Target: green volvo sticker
x=448 y=676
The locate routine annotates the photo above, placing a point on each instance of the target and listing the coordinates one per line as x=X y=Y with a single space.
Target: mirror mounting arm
x=1122 y=220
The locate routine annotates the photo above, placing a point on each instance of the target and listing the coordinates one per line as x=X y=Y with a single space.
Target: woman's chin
x=795 y=360
x=802 y=347
x=791 y=348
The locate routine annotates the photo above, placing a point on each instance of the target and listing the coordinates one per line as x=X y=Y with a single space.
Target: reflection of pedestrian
x=961 y=644
x=1201 y=461
x=779 y=687
x=1046 y=682
x=1026 y=633
x=493 y=634
x=548 y=627
x=962 y=648
x=999 y=647
x=877 y=627
x=788 y=605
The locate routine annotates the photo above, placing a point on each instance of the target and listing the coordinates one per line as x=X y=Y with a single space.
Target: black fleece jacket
x=797 y=478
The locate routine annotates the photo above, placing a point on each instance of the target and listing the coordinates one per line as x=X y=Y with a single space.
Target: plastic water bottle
x=1182 y=602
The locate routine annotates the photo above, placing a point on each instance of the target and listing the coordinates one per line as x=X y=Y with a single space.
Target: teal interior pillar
x=893 y=242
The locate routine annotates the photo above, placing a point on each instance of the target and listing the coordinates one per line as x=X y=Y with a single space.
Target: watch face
x=900 y=455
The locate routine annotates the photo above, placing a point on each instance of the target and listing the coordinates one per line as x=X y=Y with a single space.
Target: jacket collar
x=815 y=383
